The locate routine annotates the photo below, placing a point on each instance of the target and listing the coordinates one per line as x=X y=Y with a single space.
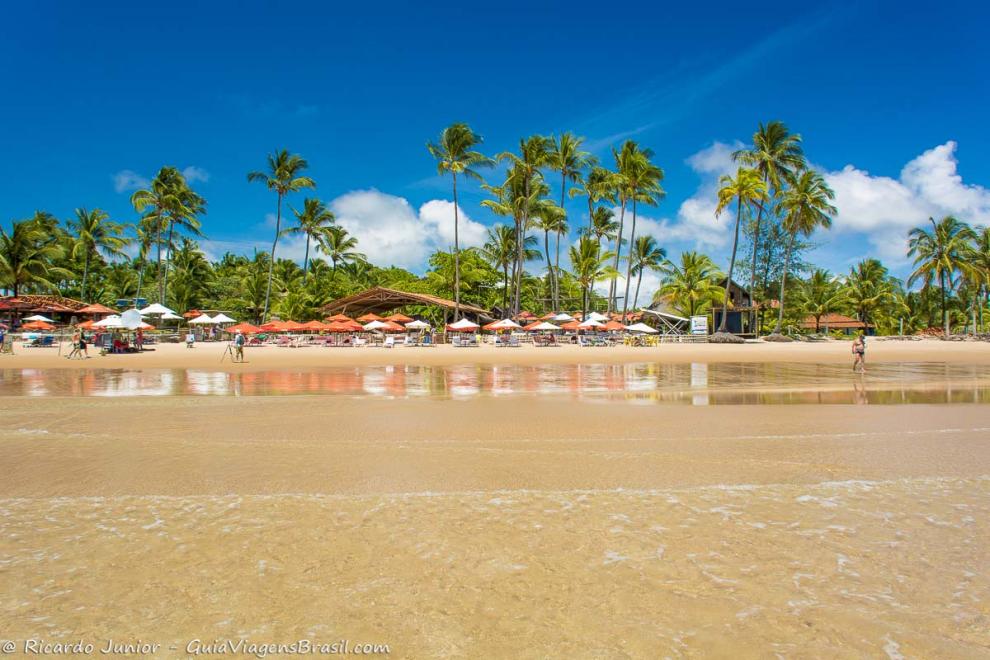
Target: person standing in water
x=859 y=353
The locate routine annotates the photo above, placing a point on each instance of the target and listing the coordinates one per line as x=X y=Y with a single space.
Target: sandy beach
x=208 y=355
x=527 y=526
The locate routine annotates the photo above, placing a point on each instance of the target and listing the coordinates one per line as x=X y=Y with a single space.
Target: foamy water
x=856 y=568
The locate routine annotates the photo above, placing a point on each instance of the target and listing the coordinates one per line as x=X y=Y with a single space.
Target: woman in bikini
x=859 y=353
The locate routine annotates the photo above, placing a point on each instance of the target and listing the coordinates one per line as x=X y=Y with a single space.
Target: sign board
x=699 y=325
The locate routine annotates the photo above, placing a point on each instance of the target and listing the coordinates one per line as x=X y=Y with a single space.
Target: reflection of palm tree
x=746 y=188
x=314 y=219
x=95 y=234
x=693 y=285
x=646 y=255
x=938 y=255
x=455 y=153
x=806 y=206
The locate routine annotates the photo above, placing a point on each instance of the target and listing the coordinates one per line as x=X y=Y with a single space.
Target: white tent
x=38 y=317
x=417 y=325
x=504 y=324
x=169 y=316
x=223 y=318
x=595 y=316
x=642 y=327
x=374 y=325
x=155 y=309
x=543 y=326
x=463 y=324
x=202 y=319
x=563 y=316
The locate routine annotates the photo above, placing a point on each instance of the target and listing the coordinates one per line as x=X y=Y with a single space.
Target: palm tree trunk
x=546 y=253
x=140 y=279
x=271 y=262
x=639 y=280
x=732 y=265
x=752 y=274
x=158 y=242
x=306 y=259
x=629 y=260
x=783 y=283
x=556 y=268
x=618 y=251
x=457 y=258
x=505 y=286
x=171 y=229
x=945 y=312
x=85 y=273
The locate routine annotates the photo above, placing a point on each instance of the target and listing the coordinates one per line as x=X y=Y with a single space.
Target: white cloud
x=194 y=174
x=127 y=180
x=391 y=232
x=885 y=209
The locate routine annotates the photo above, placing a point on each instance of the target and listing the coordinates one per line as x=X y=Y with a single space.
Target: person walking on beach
x=75 y=345
x=859 y=353
x=239 y=341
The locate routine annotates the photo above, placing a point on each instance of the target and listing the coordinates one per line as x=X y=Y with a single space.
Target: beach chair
x=360 y=341
x=389 y=342
x=409 y=341
x=455 y=341
x=513 y=342
x=499 y=342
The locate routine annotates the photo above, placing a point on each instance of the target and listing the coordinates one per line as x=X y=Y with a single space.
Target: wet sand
x=526 y=527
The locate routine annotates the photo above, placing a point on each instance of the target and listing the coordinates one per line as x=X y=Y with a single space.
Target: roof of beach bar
x=380 y=300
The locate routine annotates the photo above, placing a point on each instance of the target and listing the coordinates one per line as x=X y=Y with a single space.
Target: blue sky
x=891 y=100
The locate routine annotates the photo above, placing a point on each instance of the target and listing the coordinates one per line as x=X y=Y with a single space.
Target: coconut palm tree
x=776 y=154
x=455 y=152
x=165 y=197
x=643 y=179
x=646 y=254
x=821 y=294
x=565 y=156
x=692 y=286
x=312 y=221
x=980 y=260
x=26 y=258
x=95 y=235
x=806 y=205
x=589 y=266
x=551 y=219
x=869 y=288
x=284 y=177
x=603 y=225
x=144 y=236
x=938 y=256
x=340 y=246
x=747 y=188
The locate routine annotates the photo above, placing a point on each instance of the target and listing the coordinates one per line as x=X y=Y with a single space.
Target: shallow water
x=694 y=384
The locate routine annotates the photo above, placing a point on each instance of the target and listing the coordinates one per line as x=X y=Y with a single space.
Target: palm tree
x=95 y=234
x=26 y=257
x=550 y=218
x=337 y=244
x=980 y=260
x=565 y=156
x=939 y=254
x=524 y=187
x=821 y=294
x=603 y=225
x=590 y=266
x=312 y=221
x=163 y=198
x=144 y=236
x=283 y=176
x=869 y=288
x=747 y=188
x=807 y=206
x=599 y=185
x=455 y=152
x=646 y=255
x=692 y=286
x=643 y=181
x=776 y=155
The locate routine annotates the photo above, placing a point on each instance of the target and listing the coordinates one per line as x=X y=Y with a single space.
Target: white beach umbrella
x=590 y=323
x=505 y=324
x=38 y=317
x=202 y=319
x=563 y=316
x=642 y=327
x=169 y=316
x=109 y=322
x=595 y=316
x=543 y=326
x=464 y=324
x=374 y=325
x=417 y=325
x=223 y=318
x=155 y=309
x=131 y=319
